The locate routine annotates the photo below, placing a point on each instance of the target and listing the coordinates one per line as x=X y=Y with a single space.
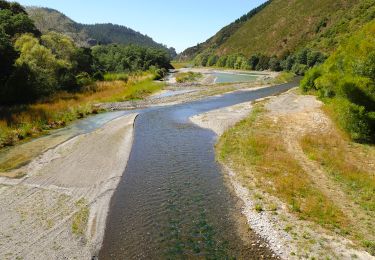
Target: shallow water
x=173 y=201
x=29 y=150
x=225 y=77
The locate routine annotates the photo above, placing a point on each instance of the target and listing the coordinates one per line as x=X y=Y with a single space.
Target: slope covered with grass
x=283 y=26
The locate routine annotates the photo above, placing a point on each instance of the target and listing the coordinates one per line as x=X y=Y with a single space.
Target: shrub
x=84 y=79
x=308 y=82
x=354 y=119
x=98 y=76
x=346 y=82
x=299 y=69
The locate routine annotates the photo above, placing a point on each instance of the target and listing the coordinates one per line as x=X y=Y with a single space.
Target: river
x=173 y=201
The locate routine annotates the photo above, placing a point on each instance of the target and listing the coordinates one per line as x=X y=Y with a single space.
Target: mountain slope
x=287 y=25
x=47 y=19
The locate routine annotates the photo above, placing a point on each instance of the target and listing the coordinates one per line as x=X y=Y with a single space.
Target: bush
x=84 y=79
x=346 y=82
x=274 y=64
x=98 y=76
x=308 y=82
x=354 y=119
x=160 y=74
x=299 y=69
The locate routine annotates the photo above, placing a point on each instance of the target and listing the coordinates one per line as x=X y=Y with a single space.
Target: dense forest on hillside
x=87 y=35
x=36 y=65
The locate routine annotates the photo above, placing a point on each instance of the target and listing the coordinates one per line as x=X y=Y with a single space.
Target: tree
x=274 y=64
x=42 y=63
x=263 y=63
x=222 y=61
x=8 y=56
x=253 y=61
x=61 y=46
x=212 y=60
x=15 y=21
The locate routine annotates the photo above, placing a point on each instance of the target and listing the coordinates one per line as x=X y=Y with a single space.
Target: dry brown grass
x=18 y=123
x=352 y=166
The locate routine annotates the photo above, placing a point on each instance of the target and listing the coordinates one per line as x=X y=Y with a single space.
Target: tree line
x=35 y=65
x=298 y=62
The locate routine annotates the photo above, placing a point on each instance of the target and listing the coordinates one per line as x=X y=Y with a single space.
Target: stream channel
x=173 y=201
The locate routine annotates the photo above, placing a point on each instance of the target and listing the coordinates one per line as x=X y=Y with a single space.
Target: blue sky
x=176 y=23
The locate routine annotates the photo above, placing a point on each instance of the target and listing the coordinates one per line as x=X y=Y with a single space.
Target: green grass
x=116 y=76
x=253 y=148
x=286 y=25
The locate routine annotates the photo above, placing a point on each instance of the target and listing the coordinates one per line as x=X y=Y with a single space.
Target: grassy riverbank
x=300 y=158
x=18 y=123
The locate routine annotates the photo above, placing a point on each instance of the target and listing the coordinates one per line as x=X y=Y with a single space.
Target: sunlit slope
x=286 y=25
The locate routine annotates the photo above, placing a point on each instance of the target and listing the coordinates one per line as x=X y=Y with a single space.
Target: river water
x=173 y=201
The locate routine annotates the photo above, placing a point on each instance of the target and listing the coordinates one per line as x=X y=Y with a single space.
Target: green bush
x=354 y=119
x=84 y=79
x=98 y=76
x=308 y=82
x=346 y=82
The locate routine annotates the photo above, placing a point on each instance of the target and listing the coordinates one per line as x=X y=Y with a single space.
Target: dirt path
x=58 y=210
x=300 y=115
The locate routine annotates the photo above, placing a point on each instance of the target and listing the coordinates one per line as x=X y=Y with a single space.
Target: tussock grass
x=80 y=218
x=116 y=76
x=180 y=65
x=254 y=149
x=283 y=77
x=18 y=123
x=188 y=76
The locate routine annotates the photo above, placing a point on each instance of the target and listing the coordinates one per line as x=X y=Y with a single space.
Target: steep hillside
x=87 y=35
x=282 y=26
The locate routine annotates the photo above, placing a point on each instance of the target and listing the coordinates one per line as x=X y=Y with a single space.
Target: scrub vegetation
x=346 y=83
x=254 y=149
x=190 y=76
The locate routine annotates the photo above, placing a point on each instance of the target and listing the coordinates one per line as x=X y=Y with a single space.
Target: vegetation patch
x=344 y=163
x=21 y=122
x=190 y=76
x=80 y=218
x=346 y=83
x=350 y=166
x=254 y=149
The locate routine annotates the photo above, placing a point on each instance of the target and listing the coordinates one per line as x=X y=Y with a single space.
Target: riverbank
x=113 y=96
x=58 y=210
x=21 y=123
x=319 y=222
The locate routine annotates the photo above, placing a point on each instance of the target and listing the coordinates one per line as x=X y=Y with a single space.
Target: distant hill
x=281 y=26
x=47 y=19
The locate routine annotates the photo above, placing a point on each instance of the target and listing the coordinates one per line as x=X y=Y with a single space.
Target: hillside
x=47 y=19
x=282 y=26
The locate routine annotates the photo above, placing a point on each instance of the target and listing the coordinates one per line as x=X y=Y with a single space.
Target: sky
x=176 y=23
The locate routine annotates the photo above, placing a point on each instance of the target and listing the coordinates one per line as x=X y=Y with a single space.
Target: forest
x=36 y=65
